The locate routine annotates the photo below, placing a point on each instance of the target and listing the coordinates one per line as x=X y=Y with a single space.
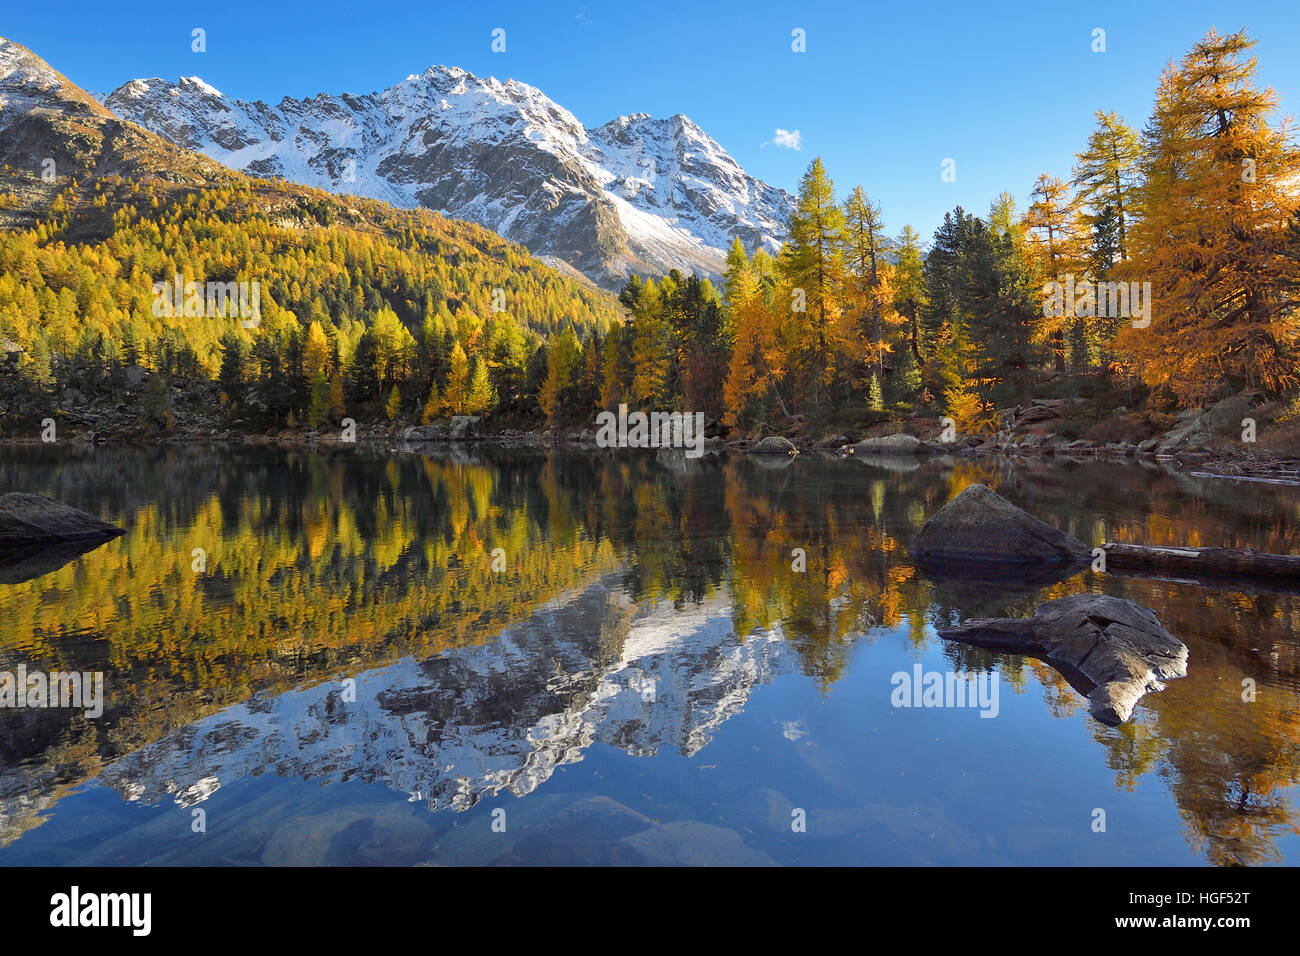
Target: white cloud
x=786 y=139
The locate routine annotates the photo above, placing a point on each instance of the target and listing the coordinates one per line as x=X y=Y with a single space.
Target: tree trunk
x=1202 y=562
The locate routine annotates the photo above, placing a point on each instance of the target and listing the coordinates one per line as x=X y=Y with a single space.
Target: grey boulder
x=27 y=520
x=1036 y=413
x=774 y=445
x=889 y=445
x=465 y=426
x=688 y=843
x=981 y=530
x=1194 y=427
x=425 y=433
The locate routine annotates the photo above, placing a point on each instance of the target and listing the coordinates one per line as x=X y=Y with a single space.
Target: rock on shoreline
x=774 y=445
x=889 y=445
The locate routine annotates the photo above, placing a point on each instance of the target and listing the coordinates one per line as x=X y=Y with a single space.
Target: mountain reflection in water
x=649 y=680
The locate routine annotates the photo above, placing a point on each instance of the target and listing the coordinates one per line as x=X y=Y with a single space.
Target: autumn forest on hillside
x=404 y=317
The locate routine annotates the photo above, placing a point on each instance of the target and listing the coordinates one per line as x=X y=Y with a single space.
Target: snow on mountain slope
x=672 y=170
x=25 y=79
x=635 y=195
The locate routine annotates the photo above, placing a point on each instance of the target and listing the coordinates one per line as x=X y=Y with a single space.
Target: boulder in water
x=981 y=531
x=39 y=535
x=27 y=520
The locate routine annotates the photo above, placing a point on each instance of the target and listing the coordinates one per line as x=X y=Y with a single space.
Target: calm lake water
x=309 y=658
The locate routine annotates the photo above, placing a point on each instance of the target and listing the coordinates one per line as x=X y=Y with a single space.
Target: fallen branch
x=1267 y=481
x=1203 y=562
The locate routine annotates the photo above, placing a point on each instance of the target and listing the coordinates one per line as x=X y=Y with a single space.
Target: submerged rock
x=1111 y=650
x=585 y=833
x=983 y=531
x=688 y=843
x=383 y=834
x=27 y=520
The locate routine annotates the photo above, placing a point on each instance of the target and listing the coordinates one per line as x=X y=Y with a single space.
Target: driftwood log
x=1110 y=649
x=1202 y=562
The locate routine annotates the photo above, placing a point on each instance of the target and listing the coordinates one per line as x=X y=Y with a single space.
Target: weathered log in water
x=1110 y=649
x=1256 y=478
x=1202 y=562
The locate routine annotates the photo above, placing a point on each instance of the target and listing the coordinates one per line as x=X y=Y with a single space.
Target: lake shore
x=1241 y=463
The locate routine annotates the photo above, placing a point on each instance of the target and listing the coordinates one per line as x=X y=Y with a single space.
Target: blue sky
x=884 y=93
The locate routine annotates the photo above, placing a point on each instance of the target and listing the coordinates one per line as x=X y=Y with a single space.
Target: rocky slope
x=51 y=128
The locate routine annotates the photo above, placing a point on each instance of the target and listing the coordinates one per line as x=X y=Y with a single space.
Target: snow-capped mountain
x=635 y=195
x=480 y=720
x=592 y=666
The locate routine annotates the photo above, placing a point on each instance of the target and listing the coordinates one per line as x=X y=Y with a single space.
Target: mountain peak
x=638 y=121
x=46 y=117
x=28 y=82
x=438 y=69
x=638 y=194
x=198 y=84
x=21 y=69
x=16 y=58
x=185 y=85
x=139 y=87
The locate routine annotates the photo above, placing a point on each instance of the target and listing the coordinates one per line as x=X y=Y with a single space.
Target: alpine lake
x=515 y=655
